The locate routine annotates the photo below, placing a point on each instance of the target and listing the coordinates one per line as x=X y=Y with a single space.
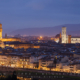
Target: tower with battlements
x=0 y=31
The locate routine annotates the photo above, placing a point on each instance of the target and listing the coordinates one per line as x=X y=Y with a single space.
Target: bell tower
x=0 y=31
x=64 y=39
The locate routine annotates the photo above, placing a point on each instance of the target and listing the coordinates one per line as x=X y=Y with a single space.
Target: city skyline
x=39 y=39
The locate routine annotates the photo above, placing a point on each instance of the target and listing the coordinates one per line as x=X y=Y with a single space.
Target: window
x=71 y=67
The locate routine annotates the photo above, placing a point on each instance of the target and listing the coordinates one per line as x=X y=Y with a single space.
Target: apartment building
x=44 y=64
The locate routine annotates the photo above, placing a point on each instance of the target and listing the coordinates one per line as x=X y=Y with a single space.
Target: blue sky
x=15 y=14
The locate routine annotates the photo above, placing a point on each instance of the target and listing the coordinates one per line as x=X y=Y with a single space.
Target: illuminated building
x=16 y=45
x=64 y=35
x=7 y=39
x=16 y=42
x=0 y=31
x=68 y=38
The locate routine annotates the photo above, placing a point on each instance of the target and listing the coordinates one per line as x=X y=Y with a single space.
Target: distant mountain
x=73 y=29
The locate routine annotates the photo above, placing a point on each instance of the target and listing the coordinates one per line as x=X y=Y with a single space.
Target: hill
x=73 y=29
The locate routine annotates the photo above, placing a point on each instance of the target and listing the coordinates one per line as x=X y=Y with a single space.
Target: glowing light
x=52 y=38
x=41 y=37
x=57 y=41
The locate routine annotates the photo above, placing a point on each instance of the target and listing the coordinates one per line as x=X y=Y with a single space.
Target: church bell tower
x=64 y=39
x=0 y=31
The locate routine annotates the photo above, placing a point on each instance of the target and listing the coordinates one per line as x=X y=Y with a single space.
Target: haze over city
x=18 y=14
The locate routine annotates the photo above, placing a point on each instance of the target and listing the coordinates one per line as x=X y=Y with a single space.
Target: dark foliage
x=35 y=79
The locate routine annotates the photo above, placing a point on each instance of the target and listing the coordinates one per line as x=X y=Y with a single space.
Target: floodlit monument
x=68 y=38
x=7 y=39
x=64 y=35
x=0 y=31
x=14 y=42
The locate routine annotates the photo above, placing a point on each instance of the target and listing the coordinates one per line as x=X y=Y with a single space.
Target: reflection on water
x=21 y=78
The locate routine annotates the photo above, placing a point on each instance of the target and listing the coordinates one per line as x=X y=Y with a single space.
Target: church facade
x=68 y=38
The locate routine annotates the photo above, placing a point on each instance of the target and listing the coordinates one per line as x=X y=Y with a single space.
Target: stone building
x=7 y=39
x=68 y=38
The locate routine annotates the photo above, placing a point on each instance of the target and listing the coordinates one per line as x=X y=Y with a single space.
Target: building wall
x=64 y=59
x=36 y=47
x=69 y=68
x=33 y=59
x=59 y=65
x=76 y=55
x=10 y=39
x=3 y=60
x=14 y=61
x=75 y=40
x=44 y=64
x=23 y=62
x=25 y=46
x=66 y=68
x=69 y=38
x=60 y=38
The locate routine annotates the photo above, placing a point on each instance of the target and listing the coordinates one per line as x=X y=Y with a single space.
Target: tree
x=8 y=78
x=55 y=61
x=14 y=76
x=35 y=79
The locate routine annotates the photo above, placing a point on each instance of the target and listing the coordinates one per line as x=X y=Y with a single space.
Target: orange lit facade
x=10 y=39
x=25 y=46
x=60 y=38
x=0 y=31
x=69 y=38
